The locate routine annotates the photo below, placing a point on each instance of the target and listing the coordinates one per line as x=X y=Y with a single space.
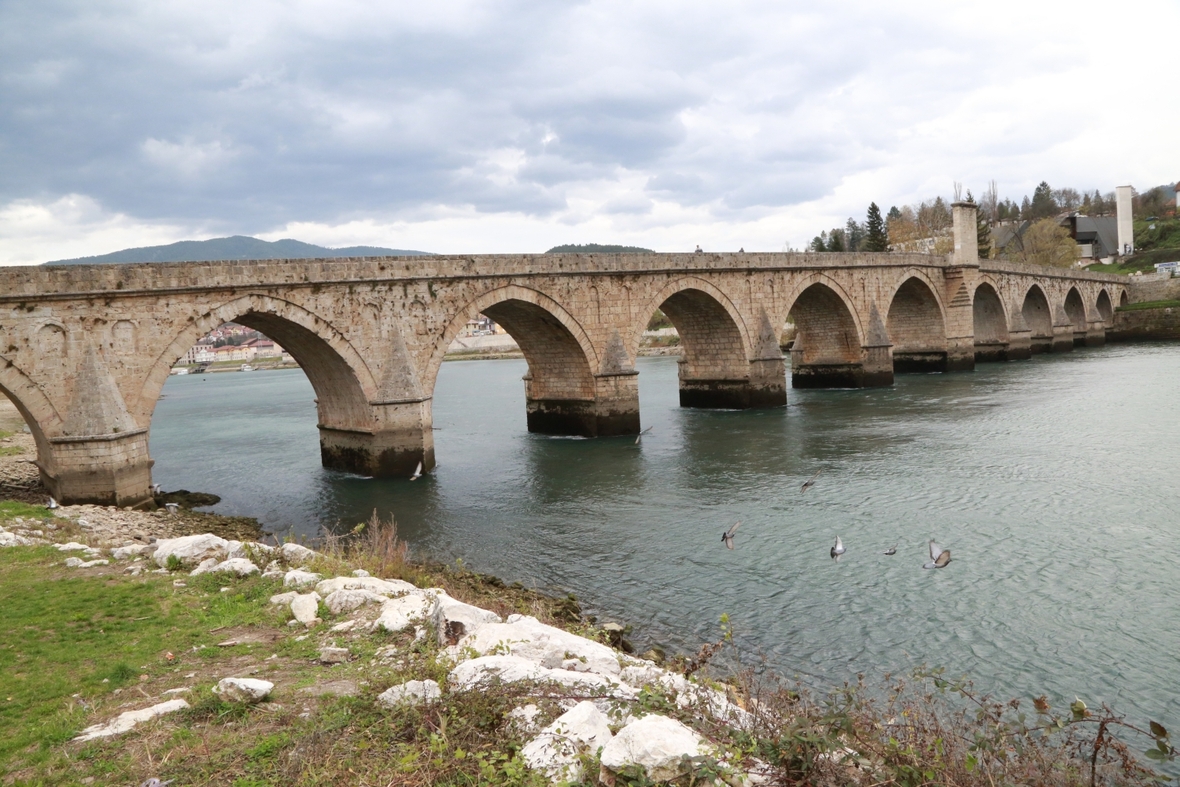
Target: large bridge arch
x=562 y=387
x=1038 y=316
x=720 y=365
x=916 y=323
x=991 y=323
x=1105 y=309
x=38 y=412
x=1075 y=311
x=829 y=348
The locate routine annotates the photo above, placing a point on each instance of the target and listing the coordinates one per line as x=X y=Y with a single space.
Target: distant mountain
x=239 y=247
x=589 y=248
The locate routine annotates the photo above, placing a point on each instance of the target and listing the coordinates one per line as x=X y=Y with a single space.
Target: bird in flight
x=417 y=472
x=810 y=482
x=891 y=551
x=727 y=536
x=939 y=557
x=172 y=508
x=838 y=549
x=52 y=504
x=639 y=436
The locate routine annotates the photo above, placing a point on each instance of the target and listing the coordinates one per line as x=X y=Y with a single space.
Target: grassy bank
x=1134 y=307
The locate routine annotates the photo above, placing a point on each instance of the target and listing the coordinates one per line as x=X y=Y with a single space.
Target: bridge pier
x=960 y=354
x=613 y=411
x=1095 y=334
x=875 y=371
x=107 y=470
x=765 y=387
x=1020 y=345
x=403 y=437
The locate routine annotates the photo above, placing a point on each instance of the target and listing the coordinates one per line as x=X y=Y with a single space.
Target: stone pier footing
x=991 y=352
x=109 y=470
x=386 y=454
x=919 y=362
x=839 y=375
x=1019 y=346
x=1063 y=339
x=730 y=394
x=1040 y=344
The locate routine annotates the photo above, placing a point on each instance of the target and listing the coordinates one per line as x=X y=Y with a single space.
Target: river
x=1051 y=481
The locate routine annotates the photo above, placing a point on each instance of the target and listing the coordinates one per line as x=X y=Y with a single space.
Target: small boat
x=247 y=367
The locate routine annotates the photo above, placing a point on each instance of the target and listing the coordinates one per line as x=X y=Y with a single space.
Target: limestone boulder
x=190 y=550
x=125 y=721
x=412 y=691
x=341 y=601
x=488 y=670
x=382 y=587
x=412 y=609
x=297 y=578
x=334 y=655
x=131 y=550
x=547 y=645
x=656 y=744
x=8 y=539
x=296 y=554
x=305 y=607
x=455 y=620
x=239 y=566
x=244 y=690
x=283 y=599
x=556 y=751
x=249 y=550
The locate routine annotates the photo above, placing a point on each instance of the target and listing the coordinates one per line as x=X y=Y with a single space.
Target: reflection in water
x=1048 y=479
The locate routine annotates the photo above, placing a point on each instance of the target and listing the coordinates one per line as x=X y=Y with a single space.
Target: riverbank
x=252 y=664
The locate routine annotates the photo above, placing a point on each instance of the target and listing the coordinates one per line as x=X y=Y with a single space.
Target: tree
x=1043 y=205
x=819 y=242
x=854 y=234
x=894 y=213
x=1025 y=209
x=876 y=238
x=1046 y=243
x=983 y=231
x=837 y=241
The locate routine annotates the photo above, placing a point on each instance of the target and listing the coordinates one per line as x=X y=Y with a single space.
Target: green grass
x=1135 y=307
x=10 y=509
x=11 y=450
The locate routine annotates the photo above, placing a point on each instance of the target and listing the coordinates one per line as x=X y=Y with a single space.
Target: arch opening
x=560 y=389
x=827 y=351
x=24 y=437
x=917 y=330
x=1104 y=308
x=991 y=325
x=713 y=369
x=1039 y=319
x=1124 y=299
x=1075 y=310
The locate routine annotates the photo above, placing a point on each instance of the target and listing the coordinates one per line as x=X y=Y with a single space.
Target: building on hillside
x=232 y=352
x=198 y=353
x=1007 y=236
x=264 y=348
x=1097 y=236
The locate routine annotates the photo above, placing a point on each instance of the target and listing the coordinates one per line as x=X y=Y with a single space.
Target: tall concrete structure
x=85 y=350
x=1123 y=213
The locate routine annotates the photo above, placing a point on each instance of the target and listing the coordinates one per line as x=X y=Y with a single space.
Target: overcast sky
x=514 y=126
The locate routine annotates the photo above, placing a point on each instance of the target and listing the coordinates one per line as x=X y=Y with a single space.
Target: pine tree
x=836 y=240
x=876 y=238
x=854 y=235
x=819 y=242
x=1043 y=204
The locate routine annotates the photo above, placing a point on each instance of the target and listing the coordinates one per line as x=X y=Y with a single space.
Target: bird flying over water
x=810 y=482
x=727 y=536
x=52 y=504
x=417 y=472
x=838 y=549
x=939 y=557
x=891 y=551
x=639 y=436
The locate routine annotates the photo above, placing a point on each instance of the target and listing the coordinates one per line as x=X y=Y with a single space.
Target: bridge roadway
x=85 y=350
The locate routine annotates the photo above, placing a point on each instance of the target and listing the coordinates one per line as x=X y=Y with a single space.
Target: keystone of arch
x=510 y=292
x=235 y=309
x=692 y=283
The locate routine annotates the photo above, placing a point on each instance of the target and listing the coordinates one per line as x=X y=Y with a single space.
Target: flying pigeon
x=939 y=557
x=52 y=504
x=891 y=551
x=156 y=490
x=172 y=508
x=417 y=472
x=810 y=482
x=727 y=536
x=639 y=436
x=838 y=549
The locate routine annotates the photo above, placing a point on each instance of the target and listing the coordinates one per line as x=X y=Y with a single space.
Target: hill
x=588 y=248
x=238 y=247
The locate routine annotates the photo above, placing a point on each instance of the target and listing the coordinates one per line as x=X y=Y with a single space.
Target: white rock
x=13 y=540
x=398 y=614
x=72 y=546
x=487 y=670
x=297 y=577
x=340 y=601
x=555 y=752
x=360 y=572
x=296 y=554
x=250 y=550
x=73 y=562
x=524 y=718
x=204 y=567
x=190 y=550
x=274 y=569
x=331 y=655
x=342 y=626
x=131 y=550
x=382 y=587
x=654 y=743
x=454 y=619
x=283 y=598
x=93 y=563
x=125 y=721
x=410 y=691
x=547 y=645
x=248 y=690
x=305 y=606
x=235 y=565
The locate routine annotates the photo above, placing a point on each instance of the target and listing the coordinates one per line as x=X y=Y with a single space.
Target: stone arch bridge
x=85 y=350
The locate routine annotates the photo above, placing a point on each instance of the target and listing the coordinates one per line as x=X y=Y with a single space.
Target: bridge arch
x=35 y=408
x=916 y=323
x=1124 y=299
x=1104 y=308
x=1039 y=318
x=560 y=386
x=991 y=324
x=715 y=346
x=1075 y=310
x=828 y=351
